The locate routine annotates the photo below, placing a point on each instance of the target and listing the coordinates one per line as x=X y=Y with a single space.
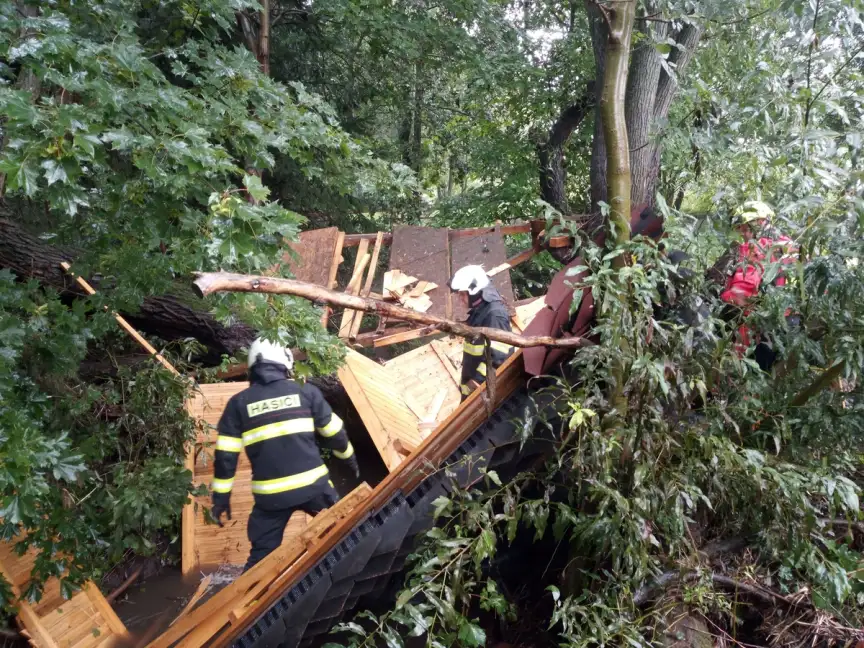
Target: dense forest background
x=144 y=140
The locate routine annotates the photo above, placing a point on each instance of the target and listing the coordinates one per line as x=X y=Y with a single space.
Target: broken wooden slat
x=331 y=277
x=126 y=326
x=357 y=318
x=404 y=336
x=512 y=262
x=353 y=287
x=441 y=352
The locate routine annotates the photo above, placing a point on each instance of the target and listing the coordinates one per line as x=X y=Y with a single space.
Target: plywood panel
x=376 y=393
x=423 y=252
x=211 y=544
x=421 y=374
x=488 y=251
x=315 y=251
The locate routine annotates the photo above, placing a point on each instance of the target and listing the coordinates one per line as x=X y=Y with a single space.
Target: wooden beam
x=506 y=230
x=353 y=240
x=405 y=336
x=123 y=323
x=357 y=318
x=208 y=283
x=512 y=262
x=334 y=268
x=353 y=287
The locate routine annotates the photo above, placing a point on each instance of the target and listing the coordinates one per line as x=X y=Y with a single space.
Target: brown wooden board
x=315 y=251
x=422 y=252
x=487 y=250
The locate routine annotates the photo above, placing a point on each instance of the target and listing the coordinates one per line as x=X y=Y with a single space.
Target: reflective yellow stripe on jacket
x=473 y=349
x=222 y=485
x=283 y=428
x=292 y=482
x=332 y=428
x=502 y=347
x=229 y=443
x=345 y=454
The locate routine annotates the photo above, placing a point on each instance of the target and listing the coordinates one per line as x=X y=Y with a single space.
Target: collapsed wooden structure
x=416 y=428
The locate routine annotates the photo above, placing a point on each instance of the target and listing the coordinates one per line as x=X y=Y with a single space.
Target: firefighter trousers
x=265 y=528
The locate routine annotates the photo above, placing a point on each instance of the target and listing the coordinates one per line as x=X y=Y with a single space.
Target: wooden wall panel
x=485 y=249
x=315 y=250
x=423 y=252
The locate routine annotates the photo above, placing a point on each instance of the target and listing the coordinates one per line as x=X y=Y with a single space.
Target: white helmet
x=262 y=350
x=472 y=278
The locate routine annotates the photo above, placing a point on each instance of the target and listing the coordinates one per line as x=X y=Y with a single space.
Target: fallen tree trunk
x=208 y=283
x=167 y=316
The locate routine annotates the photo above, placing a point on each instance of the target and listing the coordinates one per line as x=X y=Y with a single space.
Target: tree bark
x=642 y=84
x=599 y=36
x=165 y=316
x=553 y=174
x=612 y=106
x=208 y=283
x=650 y=92
x=264 y=37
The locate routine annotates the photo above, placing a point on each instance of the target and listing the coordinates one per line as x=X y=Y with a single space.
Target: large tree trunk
x=550 y=152
x=168 y=316
x=650 y=92
x=612 y=109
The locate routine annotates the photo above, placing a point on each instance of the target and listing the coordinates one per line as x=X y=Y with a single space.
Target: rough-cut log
x=208 y=283
x=165 y=316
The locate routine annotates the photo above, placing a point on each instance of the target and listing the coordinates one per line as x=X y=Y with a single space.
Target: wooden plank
x=405 y=336
x=422 y=252
x=331 y=277
x=486 y=250
x=506 y=230
x=314 y=255
x=367 y=287
x=435 y=406
x=126 y=326
x=104 y=608
x=438 y=348
x=367 y=414
x=353 y=287
x=512 y=262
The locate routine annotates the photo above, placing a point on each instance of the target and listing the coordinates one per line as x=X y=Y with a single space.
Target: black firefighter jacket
x=487 y=308
x=280 y=424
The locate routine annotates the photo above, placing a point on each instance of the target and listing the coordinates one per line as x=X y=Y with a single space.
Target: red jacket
x=745 y=282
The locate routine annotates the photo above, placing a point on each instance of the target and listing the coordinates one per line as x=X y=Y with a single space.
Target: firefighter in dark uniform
x=280 y=424
x=486 y=308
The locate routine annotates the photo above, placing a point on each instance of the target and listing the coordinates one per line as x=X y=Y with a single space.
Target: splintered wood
x=84 y=621
x=402 y=288
x=210 y=544
x=235 y=604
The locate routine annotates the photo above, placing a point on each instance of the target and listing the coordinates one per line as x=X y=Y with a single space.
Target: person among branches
x=281 y=425
x=760 y=246
x=486 y=308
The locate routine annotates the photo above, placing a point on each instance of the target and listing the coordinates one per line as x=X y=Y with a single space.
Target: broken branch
x=208 y=283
